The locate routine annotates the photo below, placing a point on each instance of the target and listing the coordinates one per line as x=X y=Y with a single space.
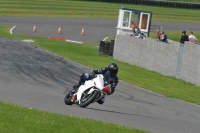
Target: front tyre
x=67 y=99
x=86 y=100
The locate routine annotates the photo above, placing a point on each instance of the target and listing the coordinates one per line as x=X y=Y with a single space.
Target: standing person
x=184 y=37
x=110 y=71
x=163 y=37
x=192 y=38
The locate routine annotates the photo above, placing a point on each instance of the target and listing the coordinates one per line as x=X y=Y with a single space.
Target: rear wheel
x=67 y=99
x=88 y=98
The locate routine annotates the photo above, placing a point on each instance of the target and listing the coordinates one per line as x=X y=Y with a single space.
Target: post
x=160 y=28
x=179 y=61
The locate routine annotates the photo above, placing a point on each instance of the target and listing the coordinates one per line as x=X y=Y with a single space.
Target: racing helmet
x=113 y=68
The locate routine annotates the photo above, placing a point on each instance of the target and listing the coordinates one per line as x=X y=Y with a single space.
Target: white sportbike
x=91 y=91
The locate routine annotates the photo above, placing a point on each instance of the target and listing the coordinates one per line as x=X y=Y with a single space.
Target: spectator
x=137 y=31
x=184 y=37
x=163 y=37
x=158 y=35
x=192 y=38
x=134 y=28
x=133 y=25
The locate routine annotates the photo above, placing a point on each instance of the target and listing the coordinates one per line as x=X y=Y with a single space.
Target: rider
x=111 y=70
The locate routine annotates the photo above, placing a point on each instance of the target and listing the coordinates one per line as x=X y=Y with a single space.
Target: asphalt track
x=32 y=77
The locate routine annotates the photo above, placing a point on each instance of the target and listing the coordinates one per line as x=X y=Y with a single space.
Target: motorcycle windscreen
x=106 y=89
x=99 y=81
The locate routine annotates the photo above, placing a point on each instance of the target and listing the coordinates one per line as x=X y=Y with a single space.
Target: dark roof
x=134 y=10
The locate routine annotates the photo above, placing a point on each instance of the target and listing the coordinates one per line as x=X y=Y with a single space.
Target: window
x=144 y=21
x=135 y=17
x=126 y=19
x=140 y=19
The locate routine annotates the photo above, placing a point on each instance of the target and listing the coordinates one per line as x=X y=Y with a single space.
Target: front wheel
x=86 y=100
x=67 y=99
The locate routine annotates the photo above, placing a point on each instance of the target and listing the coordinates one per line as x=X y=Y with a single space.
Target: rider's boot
x=81 y=82
x=73 y=91
x=101 y=101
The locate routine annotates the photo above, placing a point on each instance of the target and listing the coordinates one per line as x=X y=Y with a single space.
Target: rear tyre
x=86 y=100
x=67 y=99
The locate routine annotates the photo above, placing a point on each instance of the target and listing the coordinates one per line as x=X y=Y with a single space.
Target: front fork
x=101 y=95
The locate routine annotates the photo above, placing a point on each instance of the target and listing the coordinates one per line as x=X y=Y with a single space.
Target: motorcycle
x=90 y=92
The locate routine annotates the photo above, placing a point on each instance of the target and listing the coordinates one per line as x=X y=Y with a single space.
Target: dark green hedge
x=156 y=3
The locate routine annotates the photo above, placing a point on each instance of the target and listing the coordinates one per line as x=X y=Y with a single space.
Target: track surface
x=32 y=77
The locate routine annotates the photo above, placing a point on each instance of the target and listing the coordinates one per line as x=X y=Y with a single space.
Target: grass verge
x=91 y=9
x=88 y=55
x=16 y=119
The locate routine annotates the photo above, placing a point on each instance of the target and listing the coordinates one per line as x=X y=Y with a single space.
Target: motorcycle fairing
x=88 y=84
x=106 y=89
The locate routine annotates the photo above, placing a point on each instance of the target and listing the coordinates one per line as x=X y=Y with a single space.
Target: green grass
x=88 y=55
x=110 y=38
x=16 y=119
x=90 y=9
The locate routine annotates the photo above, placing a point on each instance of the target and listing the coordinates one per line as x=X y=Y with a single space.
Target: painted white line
x=63 y=39
x=73 y=41
x=105 y=38
x=12 y=29
x=28 y=40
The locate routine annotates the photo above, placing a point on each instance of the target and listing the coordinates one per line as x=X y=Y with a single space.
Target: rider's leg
x=78 y=85
x=101 y=101
x=82 y=80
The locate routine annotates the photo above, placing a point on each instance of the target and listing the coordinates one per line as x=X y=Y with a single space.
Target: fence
x=180 y=61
